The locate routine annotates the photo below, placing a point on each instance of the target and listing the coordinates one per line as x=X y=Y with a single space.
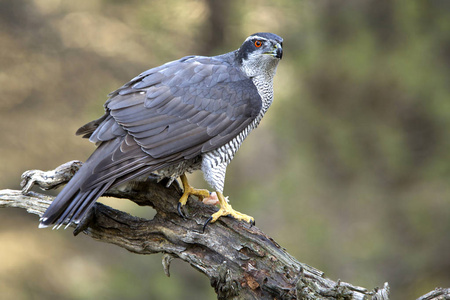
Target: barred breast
x=214 y=163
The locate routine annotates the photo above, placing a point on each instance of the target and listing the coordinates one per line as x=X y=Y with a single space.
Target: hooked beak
x=277 y=51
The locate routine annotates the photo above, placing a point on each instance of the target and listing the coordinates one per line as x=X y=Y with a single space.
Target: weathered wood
x=240 y=261
x=437 y=294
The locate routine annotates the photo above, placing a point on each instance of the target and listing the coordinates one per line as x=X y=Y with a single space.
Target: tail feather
x=88 y=203
x=78 y=201
x=81 y=192
x=72 y=196
x=71 y=208
x=65 y=204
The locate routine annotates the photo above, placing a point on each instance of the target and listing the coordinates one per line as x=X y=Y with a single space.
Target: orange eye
x=258 y=43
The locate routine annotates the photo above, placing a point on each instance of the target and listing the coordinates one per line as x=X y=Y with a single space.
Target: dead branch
x=240 y=261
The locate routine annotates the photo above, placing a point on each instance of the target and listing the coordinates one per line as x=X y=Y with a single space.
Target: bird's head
x=260 y=54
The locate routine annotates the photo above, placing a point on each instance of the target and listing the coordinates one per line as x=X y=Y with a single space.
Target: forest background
x=349 y=170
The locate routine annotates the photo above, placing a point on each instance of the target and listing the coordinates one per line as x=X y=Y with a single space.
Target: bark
x=240 y=261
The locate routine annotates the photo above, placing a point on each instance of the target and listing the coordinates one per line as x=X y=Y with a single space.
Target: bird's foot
x=200 y=193
x=227 y=210
x=189 y=190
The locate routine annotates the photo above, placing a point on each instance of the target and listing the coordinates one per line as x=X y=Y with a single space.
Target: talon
x=189 y=190
x=206 y=223
x=179 y=210
x=227 y=210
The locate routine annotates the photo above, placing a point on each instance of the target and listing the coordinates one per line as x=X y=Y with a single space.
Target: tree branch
x=240 y=261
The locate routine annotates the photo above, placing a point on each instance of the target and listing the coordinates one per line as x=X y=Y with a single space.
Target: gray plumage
x=185 y=115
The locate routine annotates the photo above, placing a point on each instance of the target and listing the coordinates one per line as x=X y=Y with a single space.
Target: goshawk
x=186 y=115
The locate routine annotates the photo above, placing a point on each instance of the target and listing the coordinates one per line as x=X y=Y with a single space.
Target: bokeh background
x=349 y=170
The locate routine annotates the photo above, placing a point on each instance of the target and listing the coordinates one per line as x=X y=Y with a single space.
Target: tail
x=74 y=201
x=114 y=162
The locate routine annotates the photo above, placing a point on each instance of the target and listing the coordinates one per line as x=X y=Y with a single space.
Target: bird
x=185 y=115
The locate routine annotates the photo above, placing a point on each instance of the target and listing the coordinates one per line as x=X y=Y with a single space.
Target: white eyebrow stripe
x=255 y=37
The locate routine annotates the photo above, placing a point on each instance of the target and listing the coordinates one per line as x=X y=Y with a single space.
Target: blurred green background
x=349 y=170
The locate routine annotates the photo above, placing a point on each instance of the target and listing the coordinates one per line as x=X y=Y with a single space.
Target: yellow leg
x=227 y=210
x=189 y=190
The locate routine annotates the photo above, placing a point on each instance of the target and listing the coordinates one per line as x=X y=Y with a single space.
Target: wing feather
x=173 y=112
x=163 y=116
